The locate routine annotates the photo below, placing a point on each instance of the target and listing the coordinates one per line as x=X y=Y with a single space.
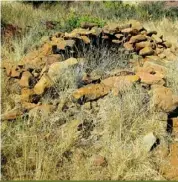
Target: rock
x=149 y=78
x=43 y=84
x=85 y=39
x=119 y=83
x=90 y=92
x=50 y=59
x=163 y=99
x=136 y=25
x=159 y=50
x=87 y=106
x=27 y=95
x=167 y=44
x=141 y=45
x=15 y=72
x=175 y=122
x=130 y=31
x=111 y=28
x=119 y=36
x=148 y=141
x=153 y=66
x=157 y=39
x=137 y=38
x=128 y=46
x=175 y=127
x=146 y=51
x=99 y=161
x=12 y=115
x=25 y=79
x=112 y=81
x=28 y=106
x=56 y=68
x=7 y=66
x=117 y=41
x=150 y=33
x=170 y=169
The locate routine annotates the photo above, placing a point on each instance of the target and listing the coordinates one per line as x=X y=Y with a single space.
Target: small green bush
x=74 y=20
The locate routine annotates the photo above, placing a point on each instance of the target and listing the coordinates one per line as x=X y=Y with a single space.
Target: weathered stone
x=119 y=36
x=157 y=39
x=146 y=51
x=150 y=33
x=170 y=169
x=27 y=94
x=151 y=78
x=25 y=79
x=136 y=25
x=56 y=68
x=50 y=59
x=119 y=83
x=7 y=66
x=130 y=31
x=28 y=106
x=148 y=141
x=44 y=83
x=163 y=99
x=111 y=28
x=141 y=45
x=15 y=72
x=159 y=50
x=117 y=41
x=85 y=39
x=152 y=67
x=137 y=38
x=167 y=44
x=12 y=114
x=128 y=46
x=91 y=92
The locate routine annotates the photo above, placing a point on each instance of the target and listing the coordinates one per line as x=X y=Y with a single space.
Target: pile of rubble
x=36 y=73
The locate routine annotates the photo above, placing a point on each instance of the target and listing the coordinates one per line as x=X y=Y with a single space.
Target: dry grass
x=45 y=149
x=167 y=28
x=51 y=146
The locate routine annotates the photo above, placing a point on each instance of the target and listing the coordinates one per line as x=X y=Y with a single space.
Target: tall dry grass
x=51 y=146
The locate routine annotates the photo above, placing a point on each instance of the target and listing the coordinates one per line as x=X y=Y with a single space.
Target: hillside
x=89 y=91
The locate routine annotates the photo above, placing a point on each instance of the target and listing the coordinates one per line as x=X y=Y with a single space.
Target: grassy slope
x=42 y=147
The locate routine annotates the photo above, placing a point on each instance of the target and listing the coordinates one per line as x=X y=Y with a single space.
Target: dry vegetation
x=63 y=145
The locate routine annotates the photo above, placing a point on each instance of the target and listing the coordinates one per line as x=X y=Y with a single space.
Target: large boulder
x=163 y=99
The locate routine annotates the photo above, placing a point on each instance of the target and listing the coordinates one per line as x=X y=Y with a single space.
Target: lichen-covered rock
x=90 y=92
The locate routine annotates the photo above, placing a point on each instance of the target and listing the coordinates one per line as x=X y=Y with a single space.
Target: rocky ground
x=41 y=72
x=96 y=102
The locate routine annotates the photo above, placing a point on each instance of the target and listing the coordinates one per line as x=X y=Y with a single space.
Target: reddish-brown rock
x=91 y=92
x=25 y=79
x=12 y=114
x=163 y=99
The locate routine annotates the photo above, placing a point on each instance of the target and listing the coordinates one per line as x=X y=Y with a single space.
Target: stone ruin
x=36 y=73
